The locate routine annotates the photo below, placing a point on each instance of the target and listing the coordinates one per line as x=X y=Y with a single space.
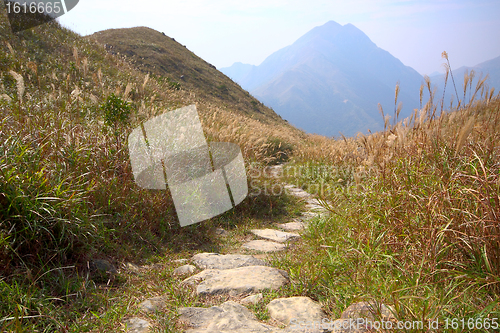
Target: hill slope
x=153 y=52
x=330 y=80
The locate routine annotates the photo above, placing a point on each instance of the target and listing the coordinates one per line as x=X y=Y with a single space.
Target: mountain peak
x=332 y=79
x=330 y=24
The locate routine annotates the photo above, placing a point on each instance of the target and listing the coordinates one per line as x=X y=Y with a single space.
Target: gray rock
x=184 y=270
x=264 y=246
x=153 y=304
x=293 y=310
x=137 y=325
x=102 y=266
x=252 y=299
x=101 y=270
x=200 y=277
x=292 y=226
x=275 y=235
x=229 y=317
x=227 y=261
x=237 y=281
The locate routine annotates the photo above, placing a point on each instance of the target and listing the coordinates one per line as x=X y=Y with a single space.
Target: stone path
x=245 y=276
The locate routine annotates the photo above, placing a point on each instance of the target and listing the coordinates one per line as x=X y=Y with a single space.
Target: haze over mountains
x=490 y=68
x=331 y=80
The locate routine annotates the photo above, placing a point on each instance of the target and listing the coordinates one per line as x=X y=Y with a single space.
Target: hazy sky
x=226 y=31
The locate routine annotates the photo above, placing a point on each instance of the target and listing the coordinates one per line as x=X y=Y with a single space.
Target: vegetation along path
x=242 y=277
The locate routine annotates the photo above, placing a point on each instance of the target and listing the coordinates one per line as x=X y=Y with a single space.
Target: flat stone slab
x=306 y=216
x=292 y=226
x=237 y=281
x=275 y=235
x=229 y=317
x=264 y=246
x=293 y=310
x=225 y=261
x=137 y=325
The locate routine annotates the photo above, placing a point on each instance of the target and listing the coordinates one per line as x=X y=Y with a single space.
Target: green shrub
x=116 y=111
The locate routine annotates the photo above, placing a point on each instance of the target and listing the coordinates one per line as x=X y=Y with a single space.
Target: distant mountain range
x=490 y=68
x=331 y=80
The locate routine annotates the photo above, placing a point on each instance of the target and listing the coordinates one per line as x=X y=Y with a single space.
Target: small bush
x=278 y=150
x=116 y=111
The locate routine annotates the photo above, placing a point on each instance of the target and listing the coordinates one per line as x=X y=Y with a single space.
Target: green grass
x=67 y=194
x=414 y=220
x=414 y=208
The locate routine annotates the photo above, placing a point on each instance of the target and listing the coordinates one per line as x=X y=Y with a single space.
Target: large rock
x=264 y=246
x=230 y=317
x=225 y=261
x=275 y=235
x=237 y=281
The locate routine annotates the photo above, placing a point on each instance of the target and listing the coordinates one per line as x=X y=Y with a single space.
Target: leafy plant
x=116 y=115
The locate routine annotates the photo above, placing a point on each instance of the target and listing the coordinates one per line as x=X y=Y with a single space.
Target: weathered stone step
x=237 y=281
x=225 y=261
x=275 y=235
x=264 y=246
x=235 y=318
x=229 y=317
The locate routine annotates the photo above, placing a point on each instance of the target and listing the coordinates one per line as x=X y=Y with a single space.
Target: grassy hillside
x=415 y=208
x=67 y=194
x=415 y=212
